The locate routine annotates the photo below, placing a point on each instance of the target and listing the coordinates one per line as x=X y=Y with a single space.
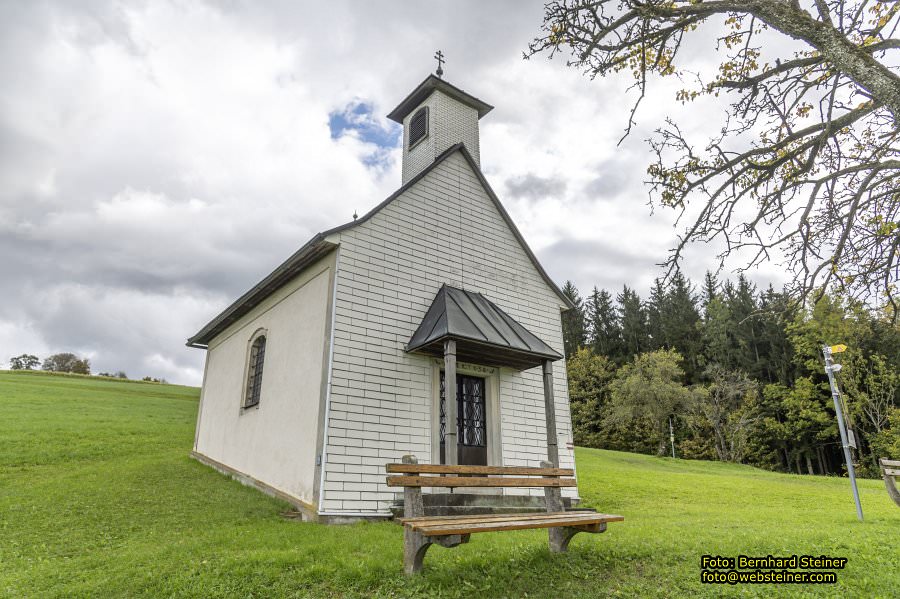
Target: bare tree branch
x=807 y=164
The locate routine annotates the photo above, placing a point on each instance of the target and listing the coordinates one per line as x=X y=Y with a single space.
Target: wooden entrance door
x=471 y=420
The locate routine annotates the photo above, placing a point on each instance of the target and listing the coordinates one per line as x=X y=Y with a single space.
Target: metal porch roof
x=485 y=334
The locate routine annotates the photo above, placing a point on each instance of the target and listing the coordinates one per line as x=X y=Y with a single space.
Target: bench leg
x=891 y=487
x=415 y=546
x=560 y=537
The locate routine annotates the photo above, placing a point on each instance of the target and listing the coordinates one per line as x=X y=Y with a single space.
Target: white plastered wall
x=444 y=229
x=275 y=443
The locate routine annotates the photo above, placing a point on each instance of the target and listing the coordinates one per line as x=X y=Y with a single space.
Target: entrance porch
x=471 y=341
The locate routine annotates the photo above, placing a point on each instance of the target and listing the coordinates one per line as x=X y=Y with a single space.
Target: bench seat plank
x=892 y=471
x=507 y=470
x=478 y=519
x=489 y=524
x=523 y=515
x=461 y=481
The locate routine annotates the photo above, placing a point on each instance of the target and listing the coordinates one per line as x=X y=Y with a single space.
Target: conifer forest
x=723 y=370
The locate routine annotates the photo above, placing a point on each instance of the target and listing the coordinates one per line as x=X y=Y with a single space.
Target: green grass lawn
x=98 y=498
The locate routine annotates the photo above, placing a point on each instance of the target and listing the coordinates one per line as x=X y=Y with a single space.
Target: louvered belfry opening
x=418 y=126
x=466 y=326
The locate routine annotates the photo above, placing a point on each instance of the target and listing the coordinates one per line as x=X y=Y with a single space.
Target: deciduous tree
x=67 y=362
x=24 y=362
x=588 y=376
x=649 y=387
x=806 y=163
x=727 y=406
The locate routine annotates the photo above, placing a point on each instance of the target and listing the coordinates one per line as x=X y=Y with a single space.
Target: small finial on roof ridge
x=439 y=56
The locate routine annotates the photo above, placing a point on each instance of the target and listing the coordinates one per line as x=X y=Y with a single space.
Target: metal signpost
x=672 y=436
x=846 y=442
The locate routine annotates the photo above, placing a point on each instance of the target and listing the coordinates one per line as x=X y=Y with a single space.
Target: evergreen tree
x=633 y=323
x=727 y=329
x=655 y=307
x=573 y=320
x=710 y=290
x=681 y=325
x=604 y=333
x=744 y=329
x=715 y=336
x=777 y=311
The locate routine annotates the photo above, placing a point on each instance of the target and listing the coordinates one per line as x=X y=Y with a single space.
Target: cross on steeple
x=439 y=56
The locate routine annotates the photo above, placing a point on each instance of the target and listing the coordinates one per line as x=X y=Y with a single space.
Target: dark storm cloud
x=534 y=187
x=611 y=183
x=157 y=159
x=598 y=262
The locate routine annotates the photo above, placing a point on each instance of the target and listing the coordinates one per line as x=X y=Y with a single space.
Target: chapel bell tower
x=436 y=116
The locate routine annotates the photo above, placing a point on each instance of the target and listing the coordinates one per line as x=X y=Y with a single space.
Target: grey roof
x=483 y=331
x=425 y=89
x=318 y=247
x=314 y=249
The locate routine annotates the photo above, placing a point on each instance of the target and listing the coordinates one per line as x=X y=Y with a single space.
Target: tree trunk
x=881 y=83
x=857 y=64
x=661 y=450
x=721 y=445
x=809 y=465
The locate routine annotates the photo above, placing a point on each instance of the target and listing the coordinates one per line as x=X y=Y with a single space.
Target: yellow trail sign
x=836 y=349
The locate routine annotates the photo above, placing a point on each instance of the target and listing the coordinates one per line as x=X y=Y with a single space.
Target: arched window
x=418 y=126
x=255 y=370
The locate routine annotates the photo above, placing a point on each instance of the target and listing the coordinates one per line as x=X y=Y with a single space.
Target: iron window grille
x=255 y=372
x=471 y=427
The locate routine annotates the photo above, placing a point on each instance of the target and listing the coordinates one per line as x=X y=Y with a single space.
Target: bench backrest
x=439 y=475
x=890 y=467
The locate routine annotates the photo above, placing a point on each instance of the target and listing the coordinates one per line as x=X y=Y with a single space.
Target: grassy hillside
x=98 y=498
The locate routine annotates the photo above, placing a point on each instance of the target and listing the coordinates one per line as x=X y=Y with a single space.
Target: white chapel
x=344 y=357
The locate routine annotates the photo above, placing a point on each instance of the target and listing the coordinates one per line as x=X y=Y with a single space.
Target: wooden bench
x=890 y=470
x=421 y=531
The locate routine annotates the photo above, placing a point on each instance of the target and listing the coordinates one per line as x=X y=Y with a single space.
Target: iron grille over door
x=471 y=420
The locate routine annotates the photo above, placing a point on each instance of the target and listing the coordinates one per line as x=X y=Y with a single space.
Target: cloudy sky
x=159 y=158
